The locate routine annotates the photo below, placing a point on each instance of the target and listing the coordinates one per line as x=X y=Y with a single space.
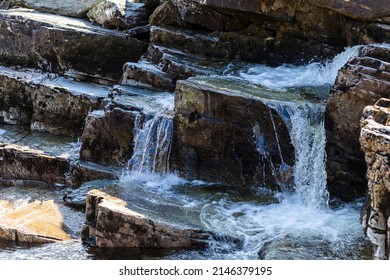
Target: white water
x=301 y=225
x=292 y=225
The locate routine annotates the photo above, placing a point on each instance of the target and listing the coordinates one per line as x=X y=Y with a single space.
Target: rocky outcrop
x=230 y=137
x=361 y=82
x=73 y=8
x=18 y=162
x=60 y=44
x=271 y=32
x=35 y=222
x=375 y=142
x=47 y=102
x=110 y=223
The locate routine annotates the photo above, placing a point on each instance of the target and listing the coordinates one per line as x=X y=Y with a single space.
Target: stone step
x=111 y=222
x=60 y=44
x=217 y=44
x=47 y=101
x=147 y=75
x=27 y=156
x=108 y=134
x=183 y=65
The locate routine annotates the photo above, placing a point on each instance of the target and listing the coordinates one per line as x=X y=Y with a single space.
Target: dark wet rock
x=107 y=137
x=22 y=163
x=47 y=102
x=120 y=14
x=58 y=44
x=361 y=82
x=375 y=142
x=110 y=223
x=219 y=136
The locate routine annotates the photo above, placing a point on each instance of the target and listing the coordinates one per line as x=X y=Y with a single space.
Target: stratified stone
x=364 y=10
x=18 y=162
x=47 y=102
x=121 y=14
x=229 y=135
x=108 y=137
x=60 y=44
x=109 y=223
x=35 y=222
x=73 y=8
x=375 y=142
x=361 y=82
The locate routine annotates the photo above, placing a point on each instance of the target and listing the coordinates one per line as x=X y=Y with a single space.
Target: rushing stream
x=298 y=223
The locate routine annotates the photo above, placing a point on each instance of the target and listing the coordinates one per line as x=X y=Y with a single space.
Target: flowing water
x=298 y=223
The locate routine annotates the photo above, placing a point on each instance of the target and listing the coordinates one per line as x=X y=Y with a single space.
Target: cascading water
x=292 y=224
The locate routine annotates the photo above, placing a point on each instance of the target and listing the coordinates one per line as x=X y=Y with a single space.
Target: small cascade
x=152 y=143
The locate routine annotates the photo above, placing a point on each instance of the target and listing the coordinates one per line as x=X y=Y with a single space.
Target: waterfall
x=152 y=143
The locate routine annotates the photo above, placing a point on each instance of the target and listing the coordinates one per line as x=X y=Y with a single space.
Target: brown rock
x=361 y=82
x=375 y=142
x=36 y=222
x=109 y=223
x=58 y=44
x=215 y=135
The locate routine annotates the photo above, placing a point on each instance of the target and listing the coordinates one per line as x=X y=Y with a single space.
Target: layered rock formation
x=361 y=82
x=109 y=223
x=375 y=142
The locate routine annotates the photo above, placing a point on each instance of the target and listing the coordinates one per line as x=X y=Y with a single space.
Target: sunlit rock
x=361 y=82
x=110 y=223
x=375 y=142
x=35 y=222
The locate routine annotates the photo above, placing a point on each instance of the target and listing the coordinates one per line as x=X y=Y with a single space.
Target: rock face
x=36 y=222
x=73 y=8
x=47 y=102
x=272 y=32
x=223 y=137
x=109 y=223
x=18 y=162
x=58 y=44
x=361 y=82
x=375 y=142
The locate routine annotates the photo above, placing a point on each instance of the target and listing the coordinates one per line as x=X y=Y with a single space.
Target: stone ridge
x=361 y=82
x=375 y=142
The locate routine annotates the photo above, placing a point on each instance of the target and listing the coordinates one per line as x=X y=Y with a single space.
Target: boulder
x=375 y=142
x=120 y=14
x=226 y=134
x=361 y=82
x=60 y=44
x=35 y=222
x=111 y=224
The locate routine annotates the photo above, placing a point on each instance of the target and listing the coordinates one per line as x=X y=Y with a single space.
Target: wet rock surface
x=57 y=44
x=214 y=137
x=109 y=223
x=361 y=82
x=375 y=142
